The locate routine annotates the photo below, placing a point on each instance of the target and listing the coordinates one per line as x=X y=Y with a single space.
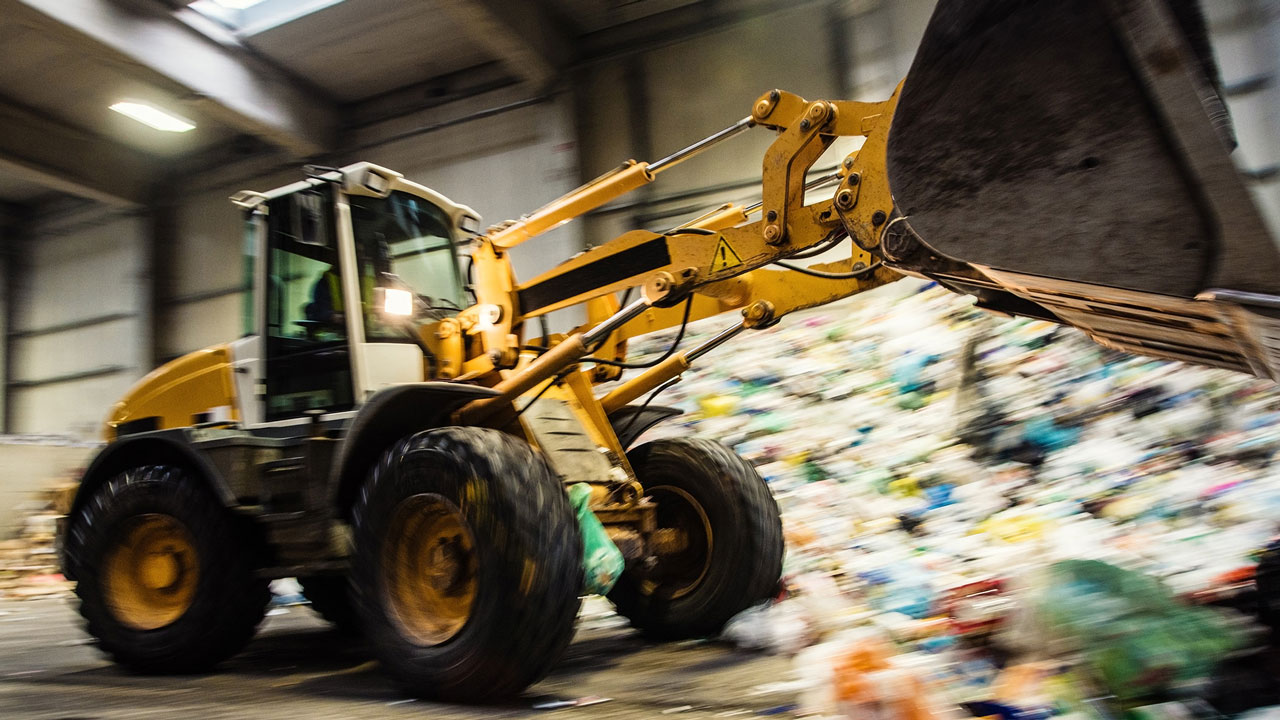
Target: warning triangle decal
x=725 y=257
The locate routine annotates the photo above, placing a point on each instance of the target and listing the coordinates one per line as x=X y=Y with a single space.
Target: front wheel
x=164 y=574
x=468 y=564
x=724 y=552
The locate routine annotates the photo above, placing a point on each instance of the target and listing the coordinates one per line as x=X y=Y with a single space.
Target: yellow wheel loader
x=393 y=431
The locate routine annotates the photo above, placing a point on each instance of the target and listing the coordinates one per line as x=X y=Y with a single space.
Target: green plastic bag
x=602 y=561
x=1136 y=637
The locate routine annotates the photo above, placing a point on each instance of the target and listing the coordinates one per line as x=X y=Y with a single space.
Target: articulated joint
x=759 y=315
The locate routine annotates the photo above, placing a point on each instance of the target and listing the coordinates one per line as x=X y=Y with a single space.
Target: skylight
x=249 y=17
x=236 y=4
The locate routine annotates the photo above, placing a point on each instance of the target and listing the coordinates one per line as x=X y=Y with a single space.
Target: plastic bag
x=780 y=628
x=602 y=561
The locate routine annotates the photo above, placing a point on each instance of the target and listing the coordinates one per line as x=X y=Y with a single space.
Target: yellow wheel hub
x=429 y=569
x=150 y=574
x=680 y=571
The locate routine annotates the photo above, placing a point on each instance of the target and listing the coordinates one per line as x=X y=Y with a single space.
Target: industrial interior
x=896 y=359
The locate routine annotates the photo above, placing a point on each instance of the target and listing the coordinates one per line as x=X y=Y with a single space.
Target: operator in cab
x=326 y=299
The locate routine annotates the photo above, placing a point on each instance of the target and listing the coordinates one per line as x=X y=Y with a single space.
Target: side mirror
x=248 y=199
x=469 y=224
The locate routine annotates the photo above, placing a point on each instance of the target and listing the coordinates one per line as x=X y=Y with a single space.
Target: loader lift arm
x=721 y=256
x=711 y=256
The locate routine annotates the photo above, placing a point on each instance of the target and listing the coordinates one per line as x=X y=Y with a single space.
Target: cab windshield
x=408 y=264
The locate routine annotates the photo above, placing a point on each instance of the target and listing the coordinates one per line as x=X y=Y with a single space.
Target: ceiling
x=294 y=86
x=15 y=189
x=595 y=15
x=360 y=48
x=44 y=73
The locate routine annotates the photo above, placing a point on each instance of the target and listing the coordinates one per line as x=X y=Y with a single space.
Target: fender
x=389 y=415
x=630 y=422
x=159 y=447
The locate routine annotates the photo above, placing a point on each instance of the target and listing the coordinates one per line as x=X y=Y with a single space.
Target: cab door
x=307 y=344
x=246 y=353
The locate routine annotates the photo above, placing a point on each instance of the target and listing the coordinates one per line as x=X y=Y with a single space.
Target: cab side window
x=308 y=363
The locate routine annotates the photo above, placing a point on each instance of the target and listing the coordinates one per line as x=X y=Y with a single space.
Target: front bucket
x=1075 y=153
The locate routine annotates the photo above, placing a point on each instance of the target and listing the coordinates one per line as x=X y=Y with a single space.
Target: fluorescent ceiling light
x=154 y=117
x=236 y=4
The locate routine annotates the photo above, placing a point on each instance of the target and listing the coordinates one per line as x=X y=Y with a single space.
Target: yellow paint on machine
x=725 y=258
x=177 y=391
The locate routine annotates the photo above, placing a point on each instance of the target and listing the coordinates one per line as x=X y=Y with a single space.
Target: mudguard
x=160 y=447
x=388 y=416
x=630 y=422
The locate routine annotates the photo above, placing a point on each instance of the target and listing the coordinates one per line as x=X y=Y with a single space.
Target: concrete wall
x=30 y=465
x=79 y=335
x=1246 y=36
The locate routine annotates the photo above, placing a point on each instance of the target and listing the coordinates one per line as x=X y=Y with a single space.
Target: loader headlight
x=397 y=302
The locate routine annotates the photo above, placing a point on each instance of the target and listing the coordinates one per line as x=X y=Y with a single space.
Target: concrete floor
x=298 y=668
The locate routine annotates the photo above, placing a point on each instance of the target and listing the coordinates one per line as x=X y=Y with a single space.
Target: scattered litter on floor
x=286 y=592
x=579 y=702
x=29 y=566
x=554 y=705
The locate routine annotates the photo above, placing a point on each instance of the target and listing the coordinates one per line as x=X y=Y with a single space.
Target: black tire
x=330 y=598
x=525 y=563
x=689 y=594
x=228 y=601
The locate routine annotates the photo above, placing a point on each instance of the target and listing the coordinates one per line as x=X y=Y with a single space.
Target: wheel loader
x=397 y=429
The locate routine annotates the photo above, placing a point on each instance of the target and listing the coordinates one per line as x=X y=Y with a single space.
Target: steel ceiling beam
x=674 y=26
x=146 y=41
x=67 y=159
x=520 y=34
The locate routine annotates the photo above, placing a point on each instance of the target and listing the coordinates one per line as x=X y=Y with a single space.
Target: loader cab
x=352 y=270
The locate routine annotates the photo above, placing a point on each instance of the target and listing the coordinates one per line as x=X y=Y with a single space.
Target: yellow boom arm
x=718 y=259
x=704 y=254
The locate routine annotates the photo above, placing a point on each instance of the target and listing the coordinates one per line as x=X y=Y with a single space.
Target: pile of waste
x=997 y=517
x=29 y=560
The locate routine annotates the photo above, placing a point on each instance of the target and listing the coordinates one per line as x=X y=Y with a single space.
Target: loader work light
x=397 y=302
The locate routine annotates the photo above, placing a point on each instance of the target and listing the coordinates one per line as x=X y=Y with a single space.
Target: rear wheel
x=468 y=564
x=164 y=576
x=724 y=552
